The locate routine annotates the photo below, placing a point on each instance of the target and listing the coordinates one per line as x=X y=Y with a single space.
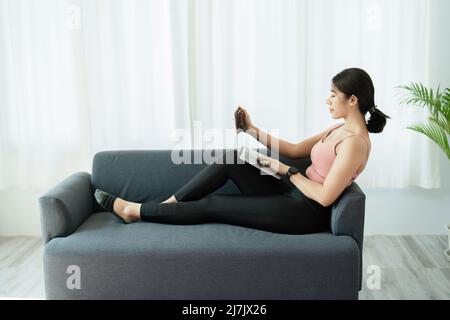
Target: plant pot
x=447 y=251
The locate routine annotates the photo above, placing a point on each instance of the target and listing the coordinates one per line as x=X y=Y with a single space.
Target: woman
x=293 y=205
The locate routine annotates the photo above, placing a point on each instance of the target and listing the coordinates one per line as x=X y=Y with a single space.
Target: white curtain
x=82 y=76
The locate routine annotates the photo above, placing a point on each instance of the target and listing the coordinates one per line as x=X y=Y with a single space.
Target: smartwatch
x=291 y=171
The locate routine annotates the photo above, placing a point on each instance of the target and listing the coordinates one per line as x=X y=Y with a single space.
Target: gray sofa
x=89 y=254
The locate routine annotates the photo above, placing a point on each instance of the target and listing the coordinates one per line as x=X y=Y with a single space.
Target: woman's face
x=338 y=104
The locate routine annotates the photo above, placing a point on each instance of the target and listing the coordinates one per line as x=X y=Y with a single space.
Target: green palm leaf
x=435 y=133
x=445 y=102
x=442 y=123
x=438 y=103
x=418 y=95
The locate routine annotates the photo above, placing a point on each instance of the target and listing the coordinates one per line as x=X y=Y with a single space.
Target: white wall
x=409 y=211
x=19 y=212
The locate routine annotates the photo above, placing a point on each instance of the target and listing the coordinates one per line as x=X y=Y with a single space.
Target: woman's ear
x=353 y=99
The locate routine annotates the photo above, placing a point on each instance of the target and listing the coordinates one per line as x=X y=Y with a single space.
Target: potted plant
x=437 y=128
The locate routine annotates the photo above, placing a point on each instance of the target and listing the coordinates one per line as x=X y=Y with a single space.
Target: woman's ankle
x=131 y=212
x=172 y=199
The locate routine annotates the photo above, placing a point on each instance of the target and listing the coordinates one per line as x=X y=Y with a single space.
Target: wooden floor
x=411 y=267
x=21 y=274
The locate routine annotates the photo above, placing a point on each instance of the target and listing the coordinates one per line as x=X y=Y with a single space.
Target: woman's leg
x=247 y=178
x=275 y=213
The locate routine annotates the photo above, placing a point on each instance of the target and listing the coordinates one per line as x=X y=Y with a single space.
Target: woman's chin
x=333 y=116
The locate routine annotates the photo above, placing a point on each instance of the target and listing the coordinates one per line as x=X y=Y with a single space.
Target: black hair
x=355 y=81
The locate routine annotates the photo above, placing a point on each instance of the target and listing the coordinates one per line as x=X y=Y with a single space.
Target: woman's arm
x=245 y=123
x=285 y=148
x=348 y=160
x=311 y=189
x=298 y=150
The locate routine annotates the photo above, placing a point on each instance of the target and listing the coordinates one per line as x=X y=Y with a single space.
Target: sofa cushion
x=204 y=261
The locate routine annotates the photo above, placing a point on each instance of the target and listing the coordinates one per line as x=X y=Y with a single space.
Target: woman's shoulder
x=357 y=142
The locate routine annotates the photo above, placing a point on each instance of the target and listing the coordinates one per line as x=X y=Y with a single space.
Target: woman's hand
x=242 y=118
x=274 y=164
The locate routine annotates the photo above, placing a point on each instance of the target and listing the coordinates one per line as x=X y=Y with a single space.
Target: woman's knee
x=226 y=160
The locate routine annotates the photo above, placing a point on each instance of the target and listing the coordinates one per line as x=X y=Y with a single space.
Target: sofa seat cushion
x=146 y=260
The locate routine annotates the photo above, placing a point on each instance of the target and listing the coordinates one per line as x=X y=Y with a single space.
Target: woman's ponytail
x=377 y=120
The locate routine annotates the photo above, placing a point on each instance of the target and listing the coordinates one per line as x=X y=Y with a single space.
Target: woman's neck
x=356 y=123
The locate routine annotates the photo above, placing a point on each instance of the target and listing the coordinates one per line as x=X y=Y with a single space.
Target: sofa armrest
x=65 y=206
x=347 y=218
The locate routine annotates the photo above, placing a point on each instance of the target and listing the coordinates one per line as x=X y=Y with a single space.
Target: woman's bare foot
x=127 y=210
x=172 y=199
x=131 y=211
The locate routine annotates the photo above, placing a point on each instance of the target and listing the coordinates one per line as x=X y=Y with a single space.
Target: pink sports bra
x=322 y=157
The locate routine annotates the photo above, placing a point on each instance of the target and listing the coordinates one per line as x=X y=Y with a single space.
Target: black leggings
x=265 y=202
